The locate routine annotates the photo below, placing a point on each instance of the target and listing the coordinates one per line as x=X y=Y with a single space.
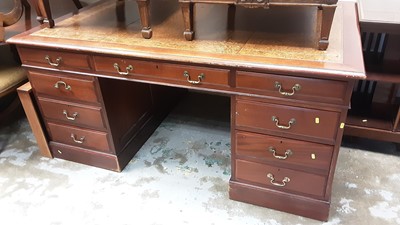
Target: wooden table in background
x=326 y=10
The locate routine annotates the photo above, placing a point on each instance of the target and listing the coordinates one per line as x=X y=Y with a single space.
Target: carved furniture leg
x=44 y=5
x=43 y=10
x=187 y=12
x=325 y=18
x=78 y=4
x=231 y=16
x=144 y=12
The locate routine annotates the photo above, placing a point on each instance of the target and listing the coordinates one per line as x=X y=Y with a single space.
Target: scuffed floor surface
x=180 y=176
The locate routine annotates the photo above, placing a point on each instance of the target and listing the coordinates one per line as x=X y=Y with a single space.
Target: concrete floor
x=180 y=176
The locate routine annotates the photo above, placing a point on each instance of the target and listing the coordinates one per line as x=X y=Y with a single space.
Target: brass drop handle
x=272 y=180
x=49 y=61
x=295 y=88
x=80 y=141
x=199 y=78
x=73 y=117
x=288 y=153
x=128 y=69
x=276 y=120
x=60 y=82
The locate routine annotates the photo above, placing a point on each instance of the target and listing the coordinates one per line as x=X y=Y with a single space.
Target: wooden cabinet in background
x=375 y=111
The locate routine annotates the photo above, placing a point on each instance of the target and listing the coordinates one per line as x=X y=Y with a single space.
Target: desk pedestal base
x=302 y=206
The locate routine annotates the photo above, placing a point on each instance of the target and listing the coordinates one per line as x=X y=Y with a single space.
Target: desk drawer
x=70 y=88
x=163 y=71
x=282 y=119
x=284 y=151
x=71 y=113
x=84 y=156
x=84 y=138
x=54 y=59
x=309 y=89
x=274 y=177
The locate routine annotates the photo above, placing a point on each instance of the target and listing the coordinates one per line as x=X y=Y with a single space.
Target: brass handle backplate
x=128 y=69
x=51 y=63
x=295 y=88
x=288 y=153
x=291 y=122
x=73 y=117
x=80 y=141
x=199 y=78
x=282 y=184
x=66 y=86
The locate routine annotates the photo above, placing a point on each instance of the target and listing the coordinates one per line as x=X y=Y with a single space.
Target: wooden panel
x=72 y=113
x=27 y=100
x=299 y=154
x=308 y=122
x=162 y=71
x=85 y=156
x=319 y=90
x=72 y=136
x=66 y=60
x=299 y=205
x=299 y=182
x=80 y=89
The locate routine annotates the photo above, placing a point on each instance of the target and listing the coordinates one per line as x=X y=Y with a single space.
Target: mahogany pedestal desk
x=101 y=90
x=372 y=117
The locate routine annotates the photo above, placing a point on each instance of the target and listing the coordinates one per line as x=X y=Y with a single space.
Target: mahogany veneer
x=288 y=101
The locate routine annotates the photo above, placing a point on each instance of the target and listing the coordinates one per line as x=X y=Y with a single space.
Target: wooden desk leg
x=44 y=6
x=187 y=11
x=231 y=16
x=325 y=18
x=144 y=12
x=26 y=97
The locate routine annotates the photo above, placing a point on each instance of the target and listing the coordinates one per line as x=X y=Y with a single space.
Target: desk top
x=262 y=40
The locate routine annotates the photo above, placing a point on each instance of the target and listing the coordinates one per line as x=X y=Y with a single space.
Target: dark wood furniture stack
x=326 y=11
x=97 y=94
x=375 y=114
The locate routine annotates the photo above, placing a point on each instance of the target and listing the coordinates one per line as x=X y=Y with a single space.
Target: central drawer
x=284 y=151
x=289 y=120
x=83 y=138
x=280 y=179
x=180 y=74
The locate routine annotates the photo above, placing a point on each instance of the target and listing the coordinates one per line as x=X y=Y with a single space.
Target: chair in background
x=11 y=73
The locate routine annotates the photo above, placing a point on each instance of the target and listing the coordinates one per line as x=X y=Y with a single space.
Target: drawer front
x=154 y=70
x=68 y=88
x=54 y=59
x=83 y=138
x=309 y=89
x=280 y=178
x=72 y=113
x=84 y=156
x=287 y=119
x=284 y=151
